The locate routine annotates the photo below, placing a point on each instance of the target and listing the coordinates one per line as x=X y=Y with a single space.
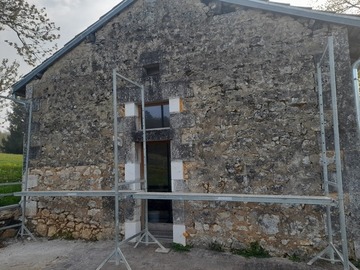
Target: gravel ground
x=80 y=255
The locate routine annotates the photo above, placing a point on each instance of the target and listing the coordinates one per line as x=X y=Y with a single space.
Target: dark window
x=157 y=116
x=152 y=69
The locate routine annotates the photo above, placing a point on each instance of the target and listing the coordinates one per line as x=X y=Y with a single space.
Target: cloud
x=74 y=16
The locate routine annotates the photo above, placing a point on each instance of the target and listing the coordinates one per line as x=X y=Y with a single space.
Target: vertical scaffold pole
x=29 y=106
x=116 y=168
x=145 y=160
x=145 y=233
x=119 y=256
x=339 y=180
x=324 y=159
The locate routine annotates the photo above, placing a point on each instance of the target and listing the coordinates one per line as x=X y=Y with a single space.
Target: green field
x=10 y=171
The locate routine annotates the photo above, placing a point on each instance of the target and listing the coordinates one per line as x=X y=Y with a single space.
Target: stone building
x=231 y=107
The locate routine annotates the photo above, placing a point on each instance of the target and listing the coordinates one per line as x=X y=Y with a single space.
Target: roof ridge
x=283 y=8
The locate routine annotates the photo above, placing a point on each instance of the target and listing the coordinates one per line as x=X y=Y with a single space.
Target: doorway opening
x=159 y=180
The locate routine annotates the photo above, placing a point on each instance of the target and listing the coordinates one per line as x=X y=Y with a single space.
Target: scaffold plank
x=280 y=199
x=136 y=194
x=74 y=193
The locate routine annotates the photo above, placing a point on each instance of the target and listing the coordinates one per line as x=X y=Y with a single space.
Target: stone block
x=179 y=234
x=86 y=234
x=9 y=233
x=31 y=208
x=42 y=229
x=177 y=170
x=52 y=231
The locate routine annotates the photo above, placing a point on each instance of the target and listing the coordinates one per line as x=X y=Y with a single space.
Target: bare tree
x=34 y=32
x=340 y=6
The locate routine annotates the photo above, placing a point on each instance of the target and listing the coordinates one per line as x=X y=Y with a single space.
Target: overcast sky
x=74 y=16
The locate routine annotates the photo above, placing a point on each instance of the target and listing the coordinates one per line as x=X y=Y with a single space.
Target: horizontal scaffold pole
x=281 y=199
x=73 y=193
x=177 y=196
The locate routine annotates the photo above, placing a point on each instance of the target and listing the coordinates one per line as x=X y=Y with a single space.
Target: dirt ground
x=80 y=255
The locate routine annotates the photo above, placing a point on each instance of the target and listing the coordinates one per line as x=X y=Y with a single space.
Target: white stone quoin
x=132 y=173
x=31 y=208
x=131 y=109
x=177 y=170
x=132 y=228
x=178 y=234
x=177 y=174
x=174 y=105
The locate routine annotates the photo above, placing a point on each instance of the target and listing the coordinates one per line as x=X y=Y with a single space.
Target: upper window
x=152 y=69
x=157 y=116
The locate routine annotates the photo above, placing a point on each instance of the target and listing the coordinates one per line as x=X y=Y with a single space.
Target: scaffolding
x=24 y=182
x=327 y=200
x=337 y=182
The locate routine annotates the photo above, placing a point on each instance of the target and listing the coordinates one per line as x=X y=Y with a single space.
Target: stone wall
x=9 y=217
x=249 y=122
x=89 y=218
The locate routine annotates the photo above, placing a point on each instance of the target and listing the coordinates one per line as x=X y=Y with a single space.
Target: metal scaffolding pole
x=119 y=256
x=339 y=179
x=324 y=159
x=29 y=107
x=338 y=183
x=145 y=234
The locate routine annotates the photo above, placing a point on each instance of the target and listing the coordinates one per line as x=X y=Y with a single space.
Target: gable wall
x=249 y=122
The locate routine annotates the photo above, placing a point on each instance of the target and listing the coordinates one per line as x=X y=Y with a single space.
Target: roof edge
x=16 y=87
x=347 y=20
x=298 y=11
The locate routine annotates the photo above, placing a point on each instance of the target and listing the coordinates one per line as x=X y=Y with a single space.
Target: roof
x=348 y=20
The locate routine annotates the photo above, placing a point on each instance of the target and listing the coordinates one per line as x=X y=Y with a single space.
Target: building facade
x=230 y=106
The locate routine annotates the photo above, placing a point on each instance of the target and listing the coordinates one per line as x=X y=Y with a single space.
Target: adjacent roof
x=348 y=20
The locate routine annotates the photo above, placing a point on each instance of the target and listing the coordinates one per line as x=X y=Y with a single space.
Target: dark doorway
x=159 y=180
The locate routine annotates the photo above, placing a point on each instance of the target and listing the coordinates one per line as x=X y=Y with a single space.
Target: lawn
x=10 y=171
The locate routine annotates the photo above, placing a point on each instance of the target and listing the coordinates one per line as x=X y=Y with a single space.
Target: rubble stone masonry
x=249 y=121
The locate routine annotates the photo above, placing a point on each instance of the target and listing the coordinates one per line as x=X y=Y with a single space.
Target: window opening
x=157 y=116
x=152 y=69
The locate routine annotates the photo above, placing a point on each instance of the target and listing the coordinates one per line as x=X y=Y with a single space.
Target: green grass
x=10 y=171
x=295 y=258
x=180 y=248
x=254 y=250
x=356 y=263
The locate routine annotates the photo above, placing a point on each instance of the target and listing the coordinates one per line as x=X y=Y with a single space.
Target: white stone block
x=132 y=172
x=132 y=228
x=31 y=208
x=174 y=105
x=177 y=170
x=131 y=109
x=32 y=181
x=178 y=234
